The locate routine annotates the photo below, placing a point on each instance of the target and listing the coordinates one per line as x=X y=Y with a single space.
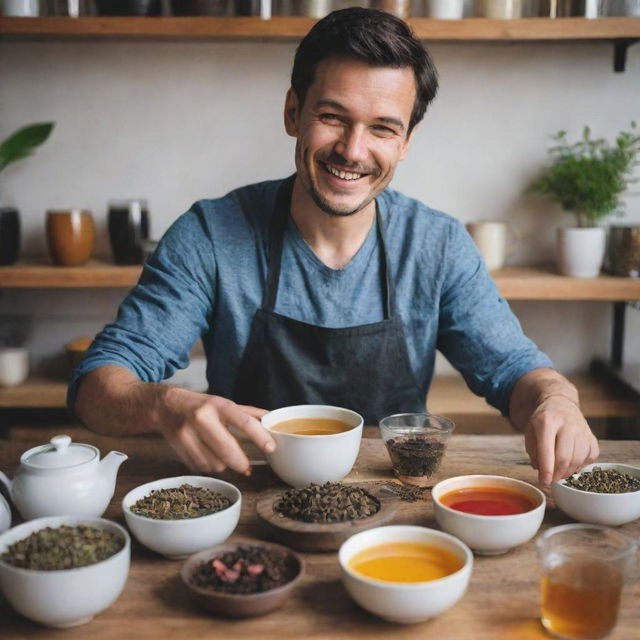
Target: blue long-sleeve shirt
x=207 y=278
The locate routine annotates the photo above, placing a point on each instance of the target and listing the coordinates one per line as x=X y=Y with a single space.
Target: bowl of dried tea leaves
x=244 y=578
x=601 y=493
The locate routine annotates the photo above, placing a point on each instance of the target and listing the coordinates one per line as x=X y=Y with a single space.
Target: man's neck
x=334 y=239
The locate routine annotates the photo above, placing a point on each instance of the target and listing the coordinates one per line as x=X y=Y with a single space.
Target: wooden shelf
x=514 y=283
x=448 y=396
x=294 y=28
x=96 y=273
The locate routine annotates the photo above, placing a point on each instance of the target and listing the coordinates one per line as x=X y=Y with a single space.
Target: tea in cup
x=583 y=573
x=314 y=443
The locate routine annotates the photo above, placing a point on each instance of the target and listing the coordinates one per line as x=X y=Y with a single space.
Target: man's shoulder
x=415 y=213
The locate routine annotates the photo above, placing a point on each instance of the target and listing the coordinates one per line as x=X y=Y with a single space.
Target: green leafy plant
x=22 y=143
x=587 y=177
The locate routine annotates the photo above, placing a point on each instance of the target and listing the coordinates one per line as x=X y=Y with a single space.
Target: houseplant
x=587 y=178
x=20 y=144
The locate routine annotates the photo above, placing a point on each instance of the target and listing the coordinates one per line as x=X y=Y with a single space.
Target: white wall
x=177 y=121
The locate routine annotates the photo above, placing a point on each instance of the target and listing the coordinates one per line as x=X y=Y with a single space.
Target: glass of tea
x=416 y=443
x=584 y=567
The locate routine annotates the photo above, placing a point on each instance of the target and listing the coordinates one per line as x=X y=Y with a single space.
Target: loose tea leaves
x=414 y=456
x=604 y=481
x=247 y=569
x=63 y=548
x=330 y=502
x=405 y=492
x=179 y=503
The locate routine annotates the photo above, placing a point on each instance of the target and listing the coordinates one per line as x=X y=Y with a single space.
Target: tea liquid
x=405 y=562
x=311 y=426
x=487 y=501
x=580 y=599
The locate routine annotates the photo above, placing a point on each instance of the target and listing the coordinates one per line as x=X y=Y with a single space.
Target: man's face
x=351 y=132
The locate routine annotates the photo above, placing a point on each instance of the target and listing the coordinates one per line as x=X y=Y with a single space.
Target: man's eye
x=329 y=117
x=382 y=130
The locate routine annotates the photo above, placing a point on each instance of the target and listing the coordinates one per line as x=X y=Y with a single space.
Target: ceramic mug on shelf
x=444 y=9
x=9 y=235
x=499 y=9
x=128 y=222
x=70 y=236
x=492 y=240
x=14 y=366
x=20 y=8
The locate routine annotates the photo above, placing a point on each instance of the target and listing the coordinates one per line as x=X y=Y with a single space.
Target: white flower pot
x=580 y=251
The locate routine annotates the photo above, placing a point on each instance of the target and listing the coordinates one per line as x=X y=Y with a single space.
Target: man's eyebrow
x=326 y=102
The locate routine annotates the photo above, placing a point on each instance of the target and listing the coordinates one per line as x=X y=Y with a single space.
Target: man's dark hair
x=374 y=37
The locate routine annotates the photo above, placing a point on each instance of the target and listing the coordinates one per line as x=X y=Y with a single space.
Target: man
x=326 y=287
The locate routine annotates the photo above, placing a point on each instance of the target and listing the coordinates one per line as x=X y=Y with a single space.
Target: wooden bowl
x=231 y=605
x=309 y=536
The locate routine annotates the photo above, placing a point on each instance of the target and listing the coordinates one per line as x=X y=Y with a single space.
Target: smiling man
x=327 y=287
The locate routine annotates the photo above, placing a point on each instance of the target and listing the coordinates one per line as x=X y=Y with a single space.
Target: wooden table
x=501 y=602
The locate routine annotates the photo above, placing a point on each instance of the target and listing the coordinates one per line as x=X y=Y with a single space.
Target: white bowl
x=611 y=509
x=69 y=597
x=177 y=539
x=300 y=460
x=405 y=602
x=489 y=535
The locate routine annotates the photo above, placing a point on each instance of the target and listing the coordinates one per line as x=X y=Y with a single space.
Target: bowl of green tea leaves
x=62 y=570
x=605 y=493
x=247 y=577
x=179 y=516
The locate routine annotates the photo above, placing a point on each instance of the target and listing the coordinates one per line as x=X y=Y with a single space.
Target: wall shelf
x=514 y=283
x=294 y=28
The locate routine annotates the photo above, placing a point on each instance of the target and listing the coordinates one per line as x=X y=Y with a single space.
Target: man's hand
x=196 y=426
x=112 y=401
x=545 y=406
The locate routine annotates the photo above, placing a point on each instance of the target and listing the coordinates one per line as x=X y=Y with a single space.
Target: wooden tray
x=308 y=536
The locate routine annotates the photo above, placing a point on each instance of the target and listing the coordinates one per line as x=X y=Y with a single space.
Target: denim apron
x=287 y=362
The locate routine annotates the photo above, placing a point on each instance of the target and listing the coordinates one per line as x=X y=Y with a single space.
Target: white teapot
x=64 y=478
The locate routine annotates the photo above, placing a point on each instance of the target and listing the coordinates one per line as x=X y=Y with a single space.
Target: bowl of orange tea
x=405 y=574
x=492 y=514
x=314 y=443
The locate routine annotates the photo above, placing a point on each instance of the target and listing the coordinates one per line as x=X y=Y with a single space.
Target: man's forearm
x=112 y=401
x=531 y=391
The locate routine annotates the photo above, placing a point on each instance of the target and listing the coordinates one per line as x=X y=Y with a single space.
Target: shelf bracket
x=620 y=47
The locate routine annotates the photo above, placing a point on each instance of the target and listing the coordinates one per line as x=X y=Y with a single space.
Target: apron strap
x=279 y=217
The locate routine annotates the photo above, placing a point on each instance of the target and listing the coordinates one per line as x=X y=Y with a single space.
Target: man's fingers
x=190 y=450
x=216 y=438
x=545 y=452
x=253 y=411
x=250 y=425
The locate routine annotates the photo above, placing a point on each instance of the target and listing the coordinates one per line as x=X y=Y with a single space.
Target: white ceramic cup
x=20 y=8
x=491 y=238
x=300 y=460
x=444 y=9
x=14 y=366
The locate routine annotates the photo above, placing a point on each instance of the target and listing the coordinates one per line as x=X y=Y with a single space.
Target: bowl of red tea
x=404 y=573
x=243 y=578
x=605 y=493
x=492 y=514
x=314 y=443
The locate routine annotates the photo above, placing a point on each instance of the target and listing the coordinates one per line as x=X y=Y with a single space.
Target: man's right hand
x=112 y=401
x=196 y=426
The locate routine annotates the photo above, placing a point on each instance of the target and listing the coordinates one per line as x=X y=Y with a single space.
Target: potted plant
x=587 y=178
x=18 y=145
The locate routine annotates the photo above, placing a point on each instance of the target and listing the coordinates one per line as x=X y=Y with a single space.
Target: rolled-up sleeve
x=478 y=333
x=164 y=314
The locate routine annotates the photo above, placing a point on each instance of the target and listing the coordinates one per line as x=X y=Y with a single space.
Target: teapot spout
x=110 y=464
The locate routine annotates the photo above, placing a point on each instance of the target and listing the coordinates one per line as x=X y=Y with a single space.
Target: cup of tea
x=9 y=235
x=314 y=443
x=71 y=234
x=128 y=222
x=584 y=568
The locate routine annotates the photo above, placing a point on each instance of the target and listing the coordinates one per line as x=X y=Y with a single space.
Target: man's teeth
x=343 y=175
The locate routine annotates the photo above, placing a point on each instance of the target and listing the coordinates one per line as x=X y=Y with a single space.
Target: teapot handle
x=5 y=481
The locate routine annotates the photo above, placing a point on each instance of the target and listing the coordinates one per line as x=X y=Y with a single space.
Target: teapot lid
x=60 y=453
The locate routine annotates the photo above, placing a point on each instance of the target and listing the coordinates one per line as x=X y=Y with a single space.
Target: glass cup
x=416 y=443
x=583 y=572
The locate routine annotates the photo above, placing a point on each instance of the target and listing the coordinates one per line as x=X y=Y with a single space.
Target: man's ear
x=291 y=113
x=406 y=143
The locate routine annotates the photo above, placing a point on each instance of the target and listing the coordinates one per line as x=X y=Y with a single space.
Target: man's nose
x=352 y=145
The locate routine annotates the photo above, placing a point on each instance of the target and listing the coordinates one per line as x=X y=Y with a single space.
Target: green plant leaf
x=23 y=142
